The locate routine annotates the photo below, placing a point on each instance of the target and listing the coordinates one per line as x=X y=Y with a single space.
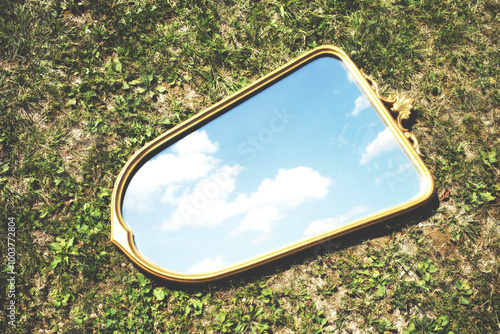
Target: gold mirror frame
x=400 y=107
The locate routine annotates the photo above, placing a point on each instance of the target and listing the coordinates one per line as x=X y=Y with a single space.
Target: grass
x=84 y=84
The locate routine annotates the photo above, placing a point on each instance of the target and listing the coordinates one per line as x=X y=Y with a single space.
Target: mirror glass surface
x=305 y=156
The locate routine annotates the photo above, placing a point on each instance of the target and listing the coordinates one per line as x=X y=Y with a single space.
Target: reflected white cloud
x=273 y=197
x=197 y=141
x=318 y=227
x=260 y=220
x=190 y=162
x=260 y=209
x=290 y=187
x=205 y=204
x=208 y=265
x=360 y=104
x=384 y=142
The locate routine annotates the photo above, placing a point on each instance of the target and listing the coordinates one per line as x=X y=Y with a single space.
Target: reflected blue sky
x=303 y=157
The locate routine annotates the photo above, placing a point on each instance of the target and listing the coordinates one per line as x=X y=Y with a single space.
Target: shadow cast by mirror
x=367 y=234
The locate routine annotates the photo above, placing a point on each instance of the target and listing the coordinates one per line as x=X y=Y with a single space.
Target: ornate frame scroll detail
x=400 y=107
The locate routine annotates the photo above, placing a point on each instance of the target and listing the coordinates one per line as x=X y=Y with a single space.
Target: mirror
x=307 y=153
